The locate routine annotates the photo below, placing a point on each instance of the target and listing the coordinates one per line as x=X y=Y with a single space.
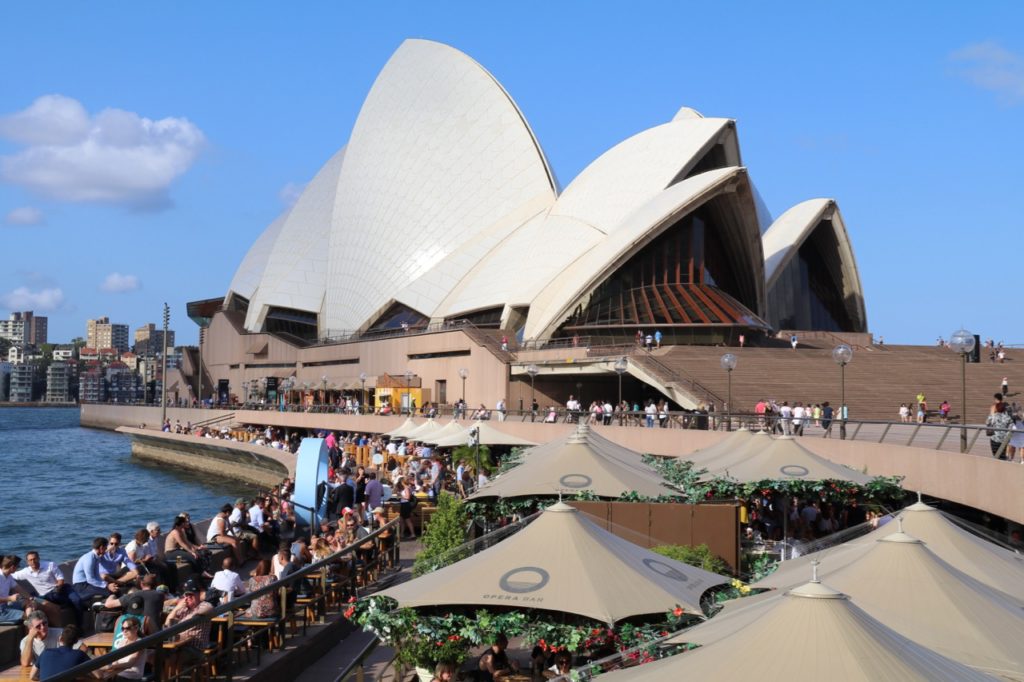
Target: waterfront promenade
x=974 y=479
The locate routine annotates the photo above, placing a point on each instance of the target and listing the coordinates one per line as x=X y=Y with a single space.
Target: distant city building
x=92 y=386
x=149 y=340
x=101 y=333
x=22 y=378
x=105 y=355
x=123 y=385
x=131 y=360
x=24 y=328
x=58 y=376
x=64 y=353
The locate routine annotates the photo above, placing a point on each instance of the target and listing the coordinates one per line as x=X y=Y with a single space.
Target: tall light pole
x=408 y=383
x=245 y=392
x=533 y=371
x=463 y=373
x=842 y=354
x=962 y=342
x=621 y=365
x=728 y=363
x=163 y=375
x=323 y=392
x=362 y=393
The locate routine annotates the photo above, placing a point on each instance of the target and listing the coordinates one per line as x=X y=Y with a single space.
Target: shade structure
x=580 y=461
x=983 y=560
x=566 y=563
x=424 y=430
x=810 y=634
x=450 y=429
x=733 y=444
x=783 y=458
x=905 y=585
x=488 y=435
x=407 y=426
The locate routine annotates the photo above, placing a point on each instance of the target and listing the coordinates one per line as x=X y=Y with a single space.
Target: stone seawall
x=254 y=464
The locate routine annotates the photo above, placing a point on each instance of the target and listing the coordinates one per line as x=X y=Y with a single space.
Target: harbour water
x=61 y=485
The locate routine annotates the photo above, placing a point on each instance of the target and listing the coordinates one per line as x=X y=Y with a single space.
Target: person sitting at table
x=227 y=581
x=562 y=666
x=47 y=580
x=86 y=578
x=39 y=638
x=495 y=664
x=15 y=600
x=61 y=658
x=146 y=600
x=132 y=666
x=264 y=606
x=191 y=604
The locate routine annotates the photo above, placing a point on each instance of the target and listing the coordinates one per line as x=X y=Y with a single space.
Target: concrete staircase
x=877 y=380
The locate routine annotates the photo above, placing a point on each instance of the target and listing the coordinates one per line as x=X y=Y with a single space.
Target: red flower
x=351 y=600
x=595 y=631
x=454 y=638
x=677 y=611
x=664 y=633
x=350 y=611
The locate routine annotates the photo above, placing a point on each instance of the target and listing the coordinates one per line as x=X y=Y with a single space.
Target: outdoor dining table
x=103 y=642
x=17 y=672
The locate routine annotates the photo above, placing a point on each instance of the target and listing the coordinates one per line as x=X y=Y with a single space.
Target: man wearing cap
x=188 y=606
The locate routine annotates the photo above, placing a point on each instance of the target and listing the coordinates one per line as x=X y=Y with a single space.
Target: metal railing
x=224 y=657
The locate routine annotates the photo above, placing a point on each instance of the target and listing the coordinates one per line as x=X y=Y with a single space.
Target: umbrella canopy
x=450 y=429
x=985 y=561
x=741 y=441
x=783 y=458
x=408 y=425
x=488 y=436
x=424 y=430
x=905 y=585
x=810 y=633
x=581 y=461
x=564 y=562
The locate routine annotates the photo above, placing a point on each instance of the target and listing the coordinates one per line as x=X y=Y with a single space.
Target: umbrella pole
x=785 y=525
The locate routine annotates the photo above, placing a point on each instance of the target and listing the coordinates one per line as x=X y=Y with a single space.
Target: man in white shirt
x=227 y=581
x=500 y=409
x=798 y=419
x=786 y=417
x=16 y=600
x=48 y=582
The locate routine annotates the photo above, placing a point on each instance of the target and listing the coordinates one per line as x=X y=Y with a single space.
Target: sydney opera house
x=440 y=229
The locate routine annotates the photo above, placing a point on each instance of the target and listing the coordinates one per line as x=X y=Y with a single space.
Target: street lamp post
x=728 y=363
x=533 y=371
x=362 y=393
x=962 y=342
x=463 y=373
x=408 y=383
x=323 y=393
x=621 y=365
x=245 y=392
x=842 y=354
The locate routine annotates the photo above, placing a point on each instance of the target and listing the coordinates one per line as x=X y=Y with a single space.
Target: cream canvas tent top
x=809 y=634
x=581 y=461
x=736 y=446
x=408 y=425
x=983 y=560
x=424 y=430
x=783 y=458
x=450 y=429
x=488 y=436
x=564 y=562
x=903 y=584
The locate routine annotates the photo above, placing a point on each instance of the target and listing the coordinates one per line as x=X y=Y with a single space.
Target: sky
x=145 y=146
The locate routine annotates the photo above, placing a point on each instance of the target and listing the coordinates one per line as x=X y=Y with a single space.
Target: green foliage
x=445 y=533
x=699 y=556
x=422 y=639
x=760 y=566
x=468 y=453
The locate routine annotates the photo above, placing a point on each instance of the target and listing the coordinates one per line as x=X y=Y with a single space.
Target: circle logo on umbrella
x=576 y=480
x=661 y=568
x=524 y=579
x=794 y=470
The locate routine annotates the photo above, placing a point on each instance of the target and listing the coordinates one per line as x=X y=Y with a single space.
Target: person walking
x=793 y=341
x=1005 y=386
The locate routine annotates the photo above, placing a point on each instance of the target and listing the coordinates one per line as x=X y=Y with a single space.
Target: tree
x=445 y=534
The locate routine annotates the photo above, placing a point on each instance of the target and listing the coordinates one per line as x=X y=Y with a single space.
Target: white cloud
x=43 y=300
x=116 y=283
x=290 y=193
x=990 y=66
x=25 y=215
x=115 y=157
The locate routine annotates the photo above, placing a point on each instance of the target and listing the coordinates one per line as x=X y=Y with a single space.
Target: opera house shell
x=442 y=207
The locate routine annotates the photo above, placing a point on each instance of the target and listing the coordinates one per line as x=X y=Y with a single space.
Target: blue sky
x=143 y=146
